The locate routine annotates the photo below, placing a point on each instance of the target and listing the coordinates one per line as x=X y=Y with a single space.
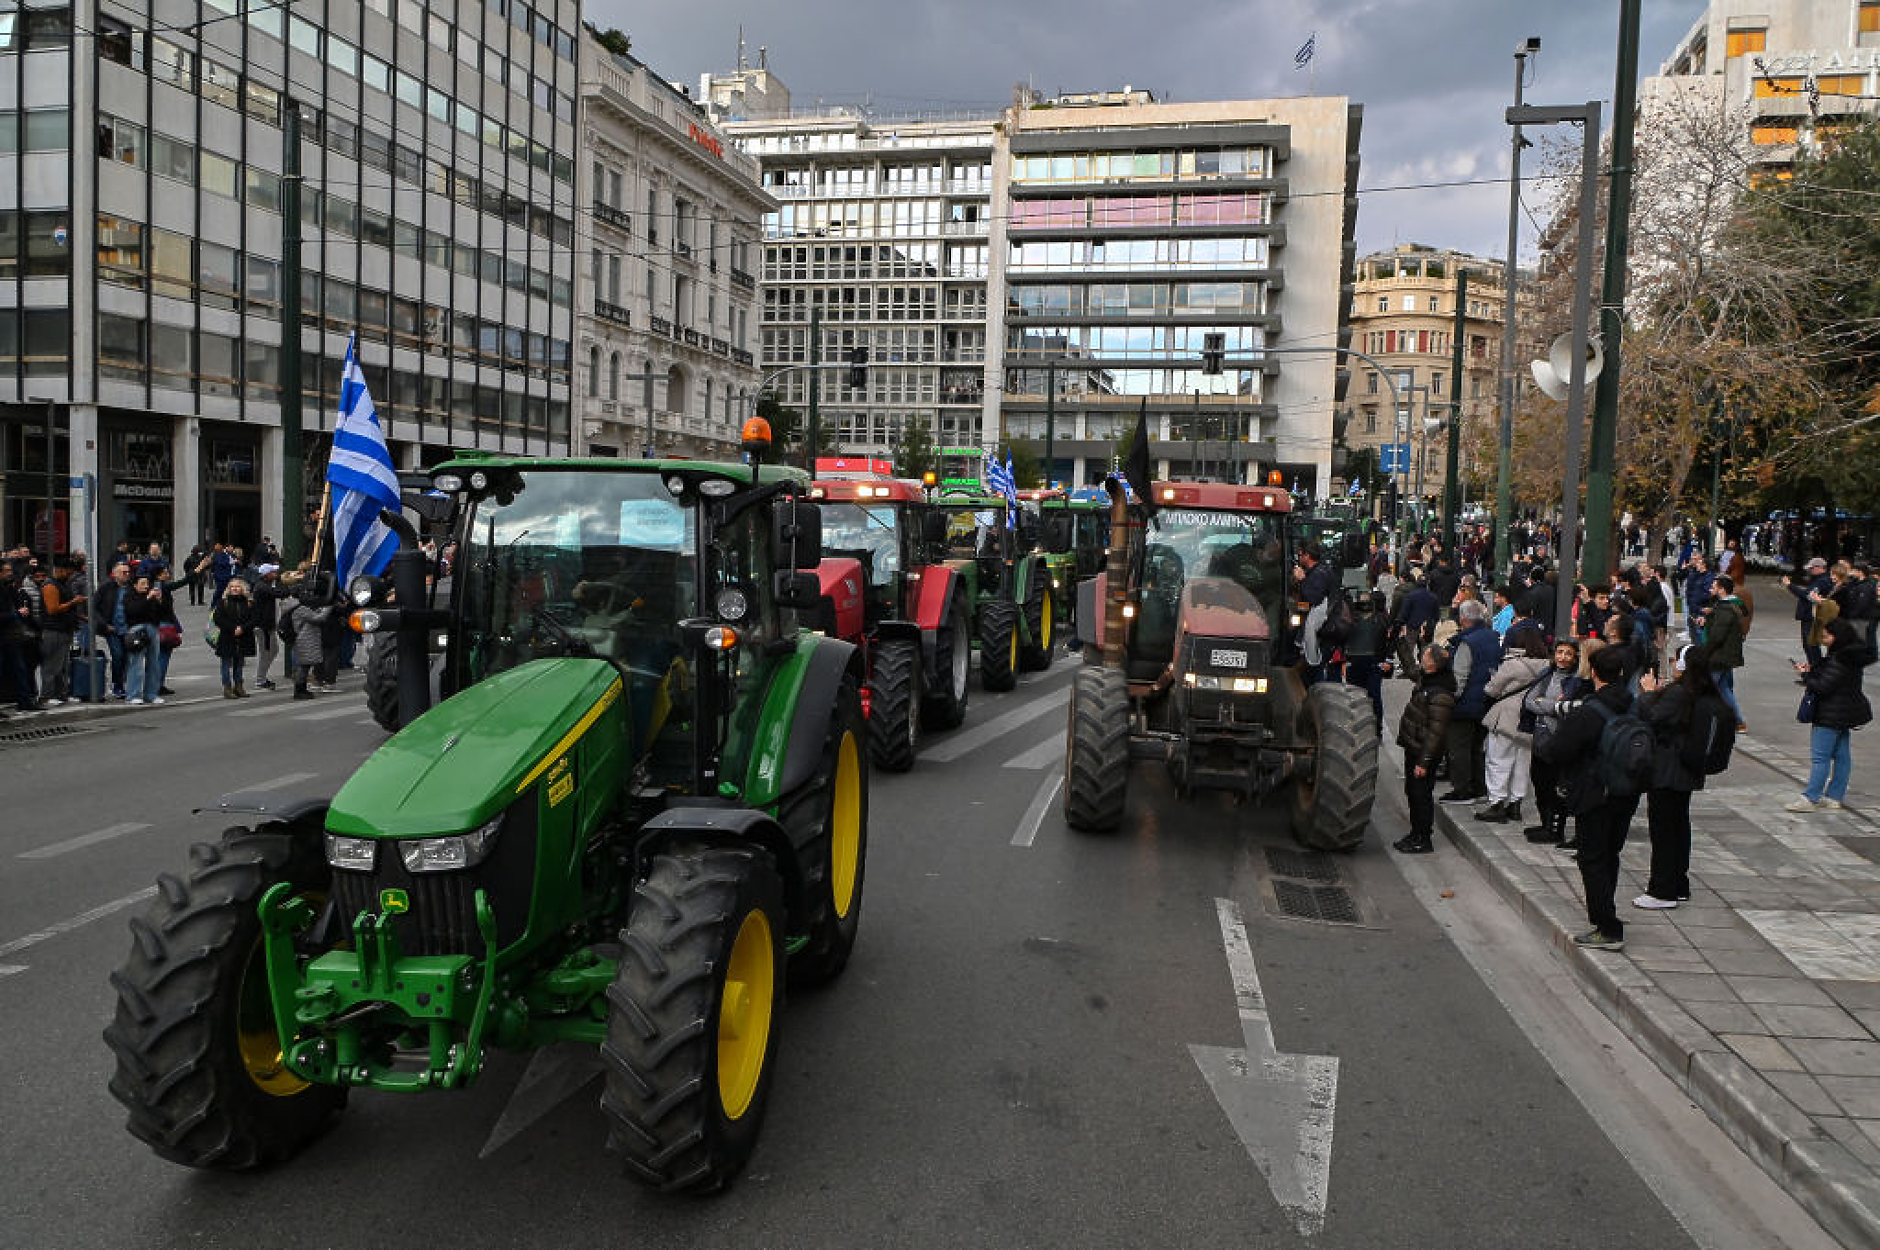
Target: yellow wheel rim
x=845 y=827
x=256 y=1036
x=744 y=1013
x=1044 y=632
x=1011 y=665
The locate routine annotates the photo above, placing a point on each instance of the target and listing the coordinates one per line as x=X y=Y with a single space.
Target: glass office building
x=142 y=237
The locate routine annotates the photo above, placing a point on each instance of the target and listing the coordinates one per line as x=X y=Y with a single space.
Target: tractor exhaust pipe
x=412 y=636
x=1116 y=576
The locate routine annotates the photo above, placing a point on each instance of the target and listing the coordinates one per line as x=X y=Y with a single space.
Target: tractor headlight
x=1249 y=685
x=464 y=850
x=1202 y=681
x=352 y=854
x=362 y=589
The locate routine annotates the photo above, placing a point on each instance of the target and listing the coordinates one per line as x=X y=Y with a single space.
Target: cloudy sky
x=1434 y=77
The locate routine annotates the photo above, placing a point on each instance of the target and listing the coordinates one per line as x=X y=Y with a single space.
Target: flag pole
x=319 y=525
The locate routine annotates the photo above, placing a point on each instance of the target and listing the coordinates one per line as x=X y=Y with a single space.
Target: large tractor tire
x=1096 y=756
x=1331 y=796
x=692 y=1026
x=198 y=1055
x=998 y=644
x=382 y=682
x=944 y=705
x=894 y=706
x=836 y=900
x=1040 y=623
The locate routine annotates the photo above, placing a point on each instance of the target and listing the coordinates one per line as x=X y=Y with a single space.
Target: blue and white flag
x=1000 y=482
x=1303 y=57
x=363 y=479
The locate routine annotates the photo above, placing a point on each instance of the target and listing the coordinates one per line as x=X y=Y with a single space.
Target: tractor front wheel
x=945 y=705
x=1040 y=623
x=199 y=1062
x=1096 y=756
x=838 y=900
x=998 y=644
x=1331 y=799
x=894 y=706
x=692 y=1021
x=382 y=682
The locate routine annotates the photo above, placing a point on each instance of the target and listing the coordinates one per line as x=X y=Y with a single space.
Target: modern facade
x=142 y=244
x=1403 y=313
x=1094 y=239
x=668 y=309
x=1127 y=232
x=1797 y=68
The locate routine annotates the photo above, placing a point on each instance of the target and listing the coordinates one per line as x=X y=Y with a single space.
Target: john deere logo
x=394 y=902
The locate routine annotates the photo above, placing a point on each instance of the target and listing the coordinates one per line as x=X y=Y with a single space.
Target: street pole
x=1504 y=486
x=1718 y=427
x=1452 y=518
x=1194 y=439
x=1599 y=470
x=1576 y=385
x=1050 y=415
x=815 y=387
x=294 y=488
x=52 y=408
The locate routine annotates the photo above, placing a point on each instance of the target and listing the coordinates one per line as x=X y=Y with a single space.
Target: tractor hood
x=1219 y=607
x=467 y=758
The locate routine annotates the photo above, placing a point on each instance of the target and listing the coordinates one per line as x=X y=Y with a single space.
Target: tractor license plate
x=1227 y=659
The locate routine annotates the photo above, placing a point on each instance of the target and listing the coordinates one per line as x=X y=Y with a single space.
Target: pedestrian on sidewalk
x=1474 y=654
x=19 y=639
x=1422 y=735
x=1839 y=708
x=64 y=613
x=1815 y=581
x=234 y=619
x=1685 y=714
x=305 y=623
x=1859 y=606
x=267 y=595
x=1600 y=818
x=1721 y=649
x=193 y=564
x=144 y=613
x=111 y=619
x=1540 y=717
x=1508 y=756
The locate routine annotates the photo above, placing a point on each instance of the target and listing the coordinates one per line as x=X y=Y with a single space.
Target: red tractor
x=912 y=618
x=1191 y=649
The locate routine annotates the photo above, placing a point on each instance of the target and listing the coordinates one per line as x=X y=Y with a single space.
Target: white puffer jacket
x=1505 y=688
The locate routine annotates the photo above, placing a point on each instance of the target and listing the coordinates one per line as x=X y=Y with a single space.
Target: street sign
x=1393 y=457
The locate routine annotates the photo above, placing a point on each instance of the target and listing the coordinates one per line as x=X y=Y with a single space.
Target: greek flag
x=999 y=479
x=1302 y=57
x=363 y=480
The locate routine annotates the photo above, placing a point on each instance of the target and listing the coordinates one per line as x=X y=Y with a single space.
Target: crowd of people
x=1621 y=709
x=52 y=613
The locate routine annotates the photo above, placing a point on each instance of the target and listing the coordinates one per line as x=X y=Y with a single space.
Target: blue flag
x=1303 y=57
x=999 y=481
x=363 y=480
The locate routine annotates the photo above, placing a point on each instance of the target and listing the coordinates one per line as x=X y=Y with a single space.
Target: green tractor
x=1074 y=534
x=638 y=813
x=1008 y=582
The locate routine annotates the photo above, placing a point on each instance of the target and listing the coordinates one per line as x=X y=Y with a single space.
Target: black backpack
x=1338 y=618
x=1625 y=754
x=1710 y=737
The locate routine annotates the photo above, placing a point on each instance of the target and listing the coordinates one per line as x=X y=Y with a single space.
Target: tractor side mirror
x=794 y=589
x=933 y=527
x=433 y=508
x=796 y=535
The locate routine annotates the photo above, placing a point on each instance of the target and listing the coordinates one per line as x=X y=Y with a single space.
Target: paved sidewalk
x=1760 y=996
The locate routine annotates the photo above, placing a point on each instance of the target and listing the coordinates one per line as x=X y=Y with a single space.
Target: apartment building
x=668 y=310
x=142 y=245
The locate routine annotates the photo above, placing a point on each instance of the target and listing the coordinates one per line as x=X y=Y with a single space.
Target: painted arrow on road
x=1281 y=1106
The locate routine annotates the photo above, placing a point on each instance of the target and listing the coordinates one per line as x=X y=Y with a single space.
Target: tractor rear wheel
x=199 y=1060
x=1096 y=756
x=1040 y=623
x=894 y=706
x=1331 y=799
x=382 y=682
x=692 y=1025
x=998 y=644
x=837 y=900
x=944 y=706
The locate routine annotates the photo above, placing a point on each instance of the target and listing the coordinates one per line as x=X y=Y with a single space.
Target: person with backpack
x=1540 y=717
x=1721 y=648
x=1836 y=707
x=1422 y=734
x=1605 y=754
x=1693 y=732
x=1474 y=652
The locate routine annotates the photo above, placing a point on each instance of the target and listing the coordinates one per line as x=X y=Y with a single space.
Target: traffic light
x=858 y=368
x=1213 y=352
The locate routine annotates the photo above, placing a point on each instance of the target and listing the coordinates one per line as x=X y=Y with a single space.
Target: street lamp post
x=1504 y=488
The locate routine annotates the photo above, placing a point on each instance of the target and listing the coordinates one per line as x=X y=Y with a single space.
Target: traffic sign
x=1393 y=457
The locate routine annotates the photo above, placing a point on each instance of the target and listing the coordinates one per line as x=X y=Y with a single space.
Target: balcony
x=743 y=281
x=741 y=357
x=618 y=218
x=613 y=312
x=721 y=347
x=963 y=227
x=682 y=248
x=661 y=327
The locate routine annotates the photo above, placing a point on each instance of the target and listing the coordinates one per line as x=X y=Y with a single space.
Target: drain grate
x=1331 y=904
x=1305 y=865
x=44 y=733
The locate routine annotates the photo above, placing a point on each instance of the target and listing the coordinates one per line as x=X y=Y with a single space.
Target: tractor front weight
x=439 y=1004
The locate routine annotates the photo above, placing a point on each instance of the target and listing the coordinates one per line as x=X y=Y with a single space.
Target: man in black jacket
x=1600 y=820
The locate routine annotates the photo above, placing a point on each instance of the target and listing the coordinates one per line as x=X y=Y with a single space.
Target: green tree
x=786 y=427
x=914 y=453
x=1027 y=466
x=614 y=40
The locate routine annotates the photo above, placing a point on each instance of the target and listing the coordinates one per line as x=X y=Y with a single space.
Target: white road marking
x=979 y=735
x=279 y=783
x=1034 y=815
x=85 y=839
x=7 y=970
x=332 y=713
x=73 y=922
x=1046 y=754
x=1281 y=1106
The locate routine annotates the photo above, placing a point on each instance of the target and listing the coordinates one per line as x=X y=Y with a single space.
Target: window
x=172 y=264
x=120 y=251
x=117 y=41
x=220 y=84
x=48 y=28
x=172 y=356
x=172 y=158
x=48 y=341
x=263 y=103
x=1432 y=303
x=120 y=347
x=48 y=130
x=1436 y=383
x=1383 y=303
x=261 y=370
x=220 y=174
x=1370 y=384
x=377 y=73
x=264 y=16
x=264 y=190
x=171 y=64
x=1743 y=42
x=219 y=364
x=304 y=36
x=220 y=270
x=119 y=140
x=262 y=285
x=48 y=245
x=1869 y=21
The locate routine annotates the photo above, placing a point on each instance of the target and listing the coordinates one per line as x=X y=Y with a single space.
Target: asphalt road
x=1006 y=1062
